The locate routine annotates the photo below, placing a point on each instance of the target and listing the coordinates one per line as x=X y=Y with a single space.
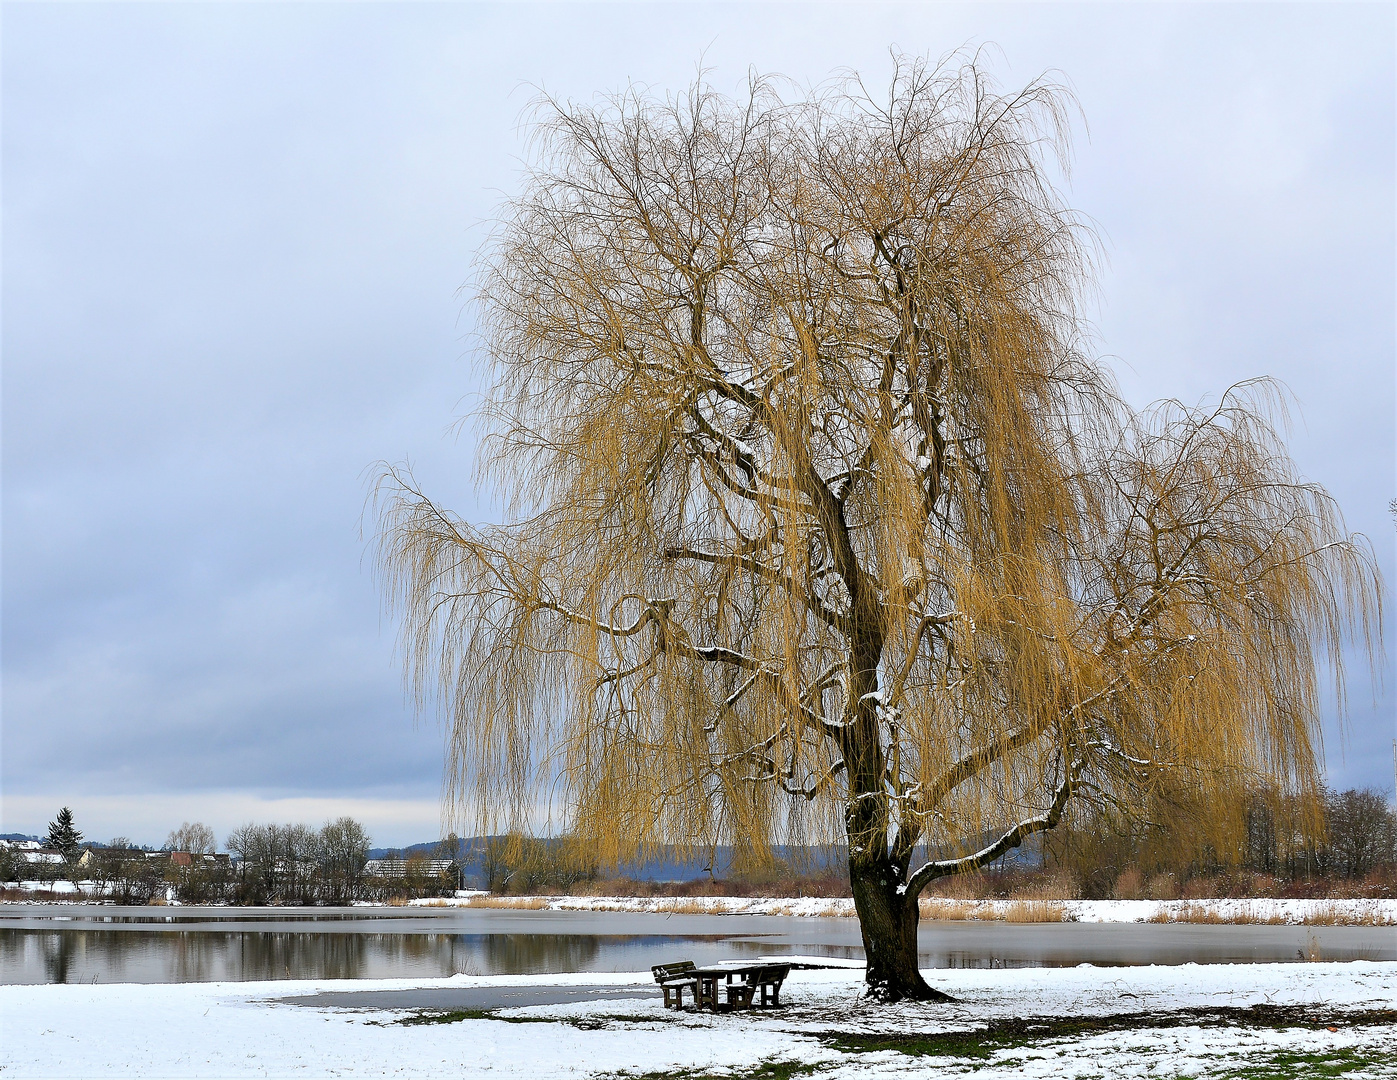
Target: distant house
x=32 y=851
x=185 y=858
x=396 y=868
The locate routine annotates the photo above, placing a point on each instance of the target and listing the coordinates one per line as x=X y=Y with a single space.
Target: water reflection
x=525 y=954
x=47 y=948
x=67 y=956
x=82 y=956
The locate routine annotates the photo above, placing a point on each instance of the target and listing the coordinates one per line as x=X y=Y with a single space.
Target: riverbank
x=1221 y=911
x=1236 y=1020
x=1227 y=912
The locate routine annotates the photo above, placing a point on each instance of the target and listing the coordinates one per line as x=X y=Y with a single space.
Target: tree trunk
x=888 y=921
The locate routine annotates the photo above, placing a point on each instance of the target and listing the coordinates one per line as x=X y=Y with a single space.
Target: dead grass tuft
x=1207 y=915
x=1033 y=911
x=946 y=909
x=1337 y=915
x=525 y=903
x=1333 y=914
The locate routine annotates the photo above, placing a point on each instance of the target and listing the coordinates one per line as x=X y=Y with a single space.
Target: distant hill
x=668 y=865
x=19 y=836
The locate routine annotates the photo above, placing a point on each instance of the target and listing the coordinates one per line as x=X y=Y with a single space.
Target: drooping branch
x=1007 y=842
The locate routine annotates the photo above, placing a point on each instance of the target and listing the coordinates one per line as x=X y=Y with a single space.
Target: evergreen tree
x=63 y=837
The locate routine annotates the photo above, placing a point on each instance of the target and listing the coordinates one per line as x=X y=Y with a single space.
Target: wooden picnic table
x=756 y=984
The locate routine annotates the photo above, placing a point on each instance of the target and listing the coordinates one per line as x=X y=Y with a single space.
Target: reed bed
x=1018 y=909
x=1014 y=911
x=1033 y=911
x=945 y=909
x=1332 y=914
x=523 y=903
x=1335 y=915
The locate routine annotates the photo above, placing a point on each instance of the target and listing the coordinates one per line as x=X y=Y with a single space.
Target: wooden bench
x=674 y=979
x=759 y=986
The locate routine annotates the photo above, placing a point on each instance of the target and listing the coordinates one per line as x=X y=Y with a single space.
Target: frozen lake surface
x=106 y=944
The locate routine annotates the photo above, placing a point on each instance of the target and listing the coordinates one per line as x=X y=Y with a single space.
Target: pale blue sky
x=233 y=241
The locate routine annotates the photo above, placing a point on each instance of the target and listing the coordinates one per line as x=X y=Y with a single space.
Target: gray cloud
x=233 y=239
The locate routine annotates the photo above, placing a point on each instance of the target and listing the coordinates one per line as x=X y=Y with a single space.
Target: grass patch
x=586 y=1023
x=1287 y=1066
x=980 y=1043
x=1033 y=911
x=1034 y=1031
x=767 y=1070
x=455 y=1016
x=1016 y=910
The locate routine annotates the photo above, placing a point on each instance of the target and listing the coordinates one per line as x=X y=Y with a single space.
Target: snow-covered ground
x=78 y=891
x=248 y=1029
x=1325 y=912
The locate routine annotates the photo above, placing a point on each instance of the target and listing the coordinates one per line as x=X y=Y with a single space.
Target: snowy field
x=1233 y=1021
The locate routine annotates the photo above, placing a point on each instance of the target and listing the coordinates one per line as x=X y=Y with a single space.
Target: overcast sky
x=233 y=242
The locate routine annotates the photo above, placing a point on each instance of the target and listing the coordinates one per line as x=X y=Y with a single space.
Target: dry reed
x=1337 y=915
x=945 y=909
x=525 y=903
x=1033 y=911
x=1332 y=914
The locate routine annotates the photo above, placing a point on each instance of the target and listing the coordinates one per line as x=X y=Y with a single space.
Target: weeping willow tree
x=822 y=523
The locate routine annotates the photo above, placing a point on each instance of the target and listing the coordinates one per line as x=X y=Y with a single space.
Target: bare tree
x=343 y=851
x=276 y=860
x=819 y=519
x=196 y=838
x=1360 y=832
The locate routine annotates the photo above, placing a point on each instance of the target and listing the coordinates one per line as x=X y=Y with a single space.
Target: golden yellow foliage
x=821 y=520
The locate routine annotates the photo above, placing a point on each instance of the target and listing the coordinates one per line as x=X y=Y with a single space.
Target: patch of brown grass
x=1207 y=915
x=945 y=909
x=691 y=907
x=1033 y=911
x=525 y=903
x=1055 y=886
x=1020 y=910
x=1337 y=915
x=781 y=886
x=1130 y=885
x=1332 y=914
x=37 y=896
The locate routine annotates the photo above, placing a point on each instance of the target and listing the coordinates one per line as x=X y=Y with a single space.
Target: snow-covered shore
x=1349 y=912
x=1292 y=912
x=250 y=1029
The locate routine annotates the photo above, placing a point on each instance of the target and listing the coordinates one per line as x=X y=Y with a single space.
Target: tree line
x=1348 y=843
x=1344 y=841
x=269 y=864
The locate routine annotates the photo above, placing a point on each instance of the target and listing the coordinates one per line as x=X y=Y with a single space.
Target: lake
x=97 y=943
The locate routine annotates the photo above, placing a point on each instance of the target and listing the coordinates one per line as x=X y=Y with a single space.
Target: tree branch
x=1007 y=842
